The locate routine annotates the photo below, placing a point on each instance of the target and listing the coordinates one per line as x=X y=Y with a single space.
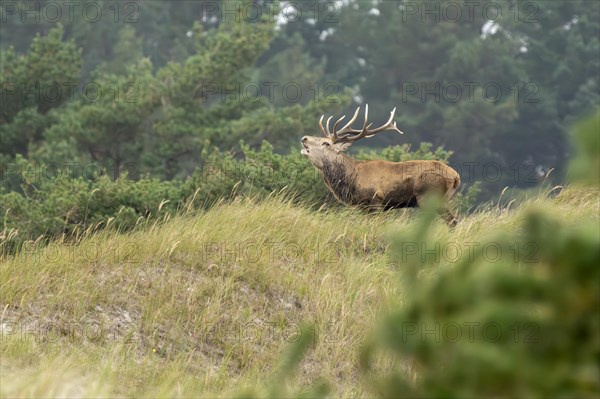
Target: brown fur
x=380 y=184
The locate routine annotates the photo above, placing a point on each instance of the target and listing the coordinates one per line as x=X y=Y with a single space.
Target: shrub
x=51 y=206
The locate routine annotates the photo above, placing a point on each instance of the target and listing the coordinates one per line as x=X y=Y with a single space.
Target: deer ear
x=342 y=146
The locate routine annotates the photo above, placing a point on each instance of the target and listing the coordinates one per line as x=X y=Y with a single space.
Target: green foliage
x=294 y=65
x=127 y=51
x=150 y=121
x=51 y=207
x=112 y=126
x=33 y=84
x=54 y=201
x=585 y=166
x=466 y=198
x=401 y=153
x=524 y=325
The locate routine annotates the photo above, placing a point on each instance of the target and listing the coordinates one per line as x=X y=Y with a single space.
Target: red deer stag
x=376 y=184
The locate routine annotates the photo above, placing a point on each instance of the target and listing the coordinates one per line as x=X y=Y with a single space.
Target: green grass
x=204 y=304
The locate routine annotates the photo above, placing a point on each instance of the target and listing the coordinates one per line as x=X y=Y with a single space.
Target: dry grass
x=203 y=305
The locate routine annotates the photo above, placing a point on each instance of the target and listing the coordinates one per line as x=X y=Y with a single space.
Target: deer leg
x=450 y=218
x=444 y=211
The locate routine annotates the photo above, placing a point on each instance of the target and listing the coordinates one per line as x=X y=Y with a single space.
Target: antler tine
x=350 y=122
x=327 y=126
x=365 y=129
x=389 y=125
x=335 y=136
x=321 y=125
x=347 y=130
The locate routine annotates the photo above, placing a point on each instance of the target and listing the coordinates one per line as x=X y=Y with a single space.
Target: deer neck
x=339 y=175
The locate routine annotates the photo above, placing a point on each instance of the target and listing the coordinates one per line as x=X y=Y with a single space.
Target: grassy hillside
x=204 y=304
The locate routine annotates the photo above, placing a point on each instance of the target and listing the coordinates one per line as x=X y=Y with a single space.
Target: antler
x=348 y=134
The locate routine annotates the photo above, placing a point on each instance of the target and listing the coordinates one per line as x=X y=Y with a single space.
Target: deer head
x=330 y=147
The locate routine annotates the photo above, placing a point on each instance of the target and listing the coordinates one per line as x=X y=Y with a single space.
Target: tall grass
x=204 y=303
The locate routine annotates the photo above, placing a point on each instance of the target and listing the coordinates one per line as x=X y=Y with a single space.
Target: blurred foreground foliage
x=523 y=325
x=585 y=167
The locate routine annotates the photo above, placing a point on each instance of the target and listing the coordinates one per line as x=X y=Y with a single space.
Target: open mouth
x=304 y=150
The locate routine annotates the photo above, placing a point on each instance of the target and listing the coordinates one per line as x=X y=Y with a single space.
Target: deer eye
x=325 y=144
